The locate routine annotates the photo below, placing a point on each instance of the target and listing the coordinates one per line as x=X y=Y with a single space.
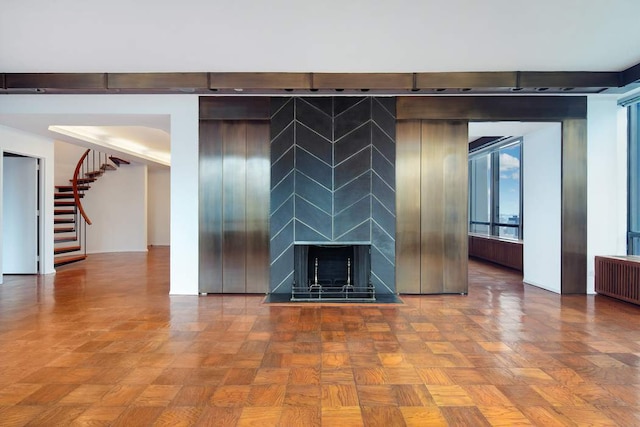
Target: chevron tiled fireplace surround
x=332 y=182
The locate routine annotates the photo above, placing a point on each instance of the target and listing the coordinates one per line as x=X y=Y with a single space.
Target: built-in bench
x=506 y=252
x=618 y=277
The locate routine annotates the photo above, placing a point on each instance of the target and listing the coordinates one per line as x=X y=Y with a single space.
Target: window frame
x=633 y=179
x=494 y=224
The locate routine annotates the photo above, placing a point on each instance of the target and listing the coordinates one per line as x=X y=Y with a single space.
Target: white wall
x=606 y=182
x=26 y=144
x=67 y=156
x=158 y=207
x=183 y=112
x=541 y=169
x=117 y=207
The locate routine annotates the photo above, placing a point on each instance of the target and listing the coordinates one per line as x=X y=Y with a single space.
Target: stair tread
x=118 y=160
x=65 y=188
x=84 y=180
x=64 y=220
x=65 y=239
x=94 y=173
x=64 y=203
x=65 y=249
x=64 y=229
x=62 y=260
x=64 y=211
x=107 y=167
x=65 y=195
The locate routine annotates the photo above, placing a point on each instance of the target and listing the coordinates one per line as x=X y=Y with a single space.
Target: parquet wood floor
x=102 y=343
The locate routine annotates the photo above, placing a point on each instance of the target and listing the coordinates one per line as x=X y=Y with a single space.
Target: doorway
x=20 y=214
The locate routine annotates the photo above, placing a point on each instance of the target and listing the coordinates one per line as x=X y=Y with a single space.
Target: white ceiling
x=298 y=35
x=329 y=36
x=138 y=138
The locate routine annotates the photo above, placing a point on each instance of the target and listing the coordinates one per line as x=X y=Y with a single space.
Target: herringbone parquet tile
x=102 y=343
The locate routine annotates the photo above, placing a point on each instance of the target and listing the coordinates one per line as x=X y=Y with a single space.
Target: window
x=633 y=227
x=495 y=190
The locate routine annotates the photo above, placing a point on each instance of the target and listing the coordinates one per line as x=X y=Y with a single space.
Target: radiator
x=618 y=277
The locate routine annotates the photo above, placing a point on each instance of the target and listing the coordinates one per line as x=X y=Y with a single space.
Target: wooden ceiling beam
x=158 y=81
x=479 y=80
x=265 y=83
x=631 y=75
x=568 y=79
x=260 y=81
x=60 y=81
x=371 y=81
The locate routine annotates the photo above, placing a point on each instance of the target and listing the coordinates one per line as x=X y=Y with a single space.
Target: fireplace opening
x=332 y=272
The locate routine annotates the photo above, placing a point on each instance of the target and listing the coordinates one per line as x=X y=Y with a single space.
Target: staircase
x=70 y=220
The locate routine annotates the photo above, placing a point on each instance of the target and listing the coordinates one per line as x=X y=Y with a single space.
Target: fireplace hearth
x=332 y=272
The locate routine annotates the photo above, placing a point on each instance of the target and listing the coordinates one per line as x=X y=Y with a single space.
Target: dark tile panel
x=355 y=190
x=313 y=167
x=313 y=192
x=312 y=216
x=281 y=216
x=306 y=234
x=282 y=142
x=383 y=143
x=352 y=216
x=361 y=233
x=277 y=102
x=282 y=191
x=383 y=193
x=323 y=103
x=280 y=270
x=282 y=118
x=383 y=217
x=314 y=143
x=282 y=167
x=388 y=102
x=281 y=241
x=355 y=166
x=352 y=118
x=343 y=103
x=383 y=119
x=383 y=168
x=383 y=272
x=383 y=242
x=352 y=143
x=313 y=118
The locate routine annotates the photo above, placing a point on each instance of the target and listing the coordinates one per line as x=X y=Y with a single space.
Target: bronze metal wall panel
x=234 y=240
x=408 y=147
x=258 y=185
x=574 y=207
x=456 y=199
x=492 y=108
x=432 y=208
x=210 y=207
x=234 y=108
x=572 y=112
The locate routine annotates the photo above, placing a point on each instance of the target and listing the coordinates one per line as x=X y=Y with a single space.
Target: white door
x=19 y=215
